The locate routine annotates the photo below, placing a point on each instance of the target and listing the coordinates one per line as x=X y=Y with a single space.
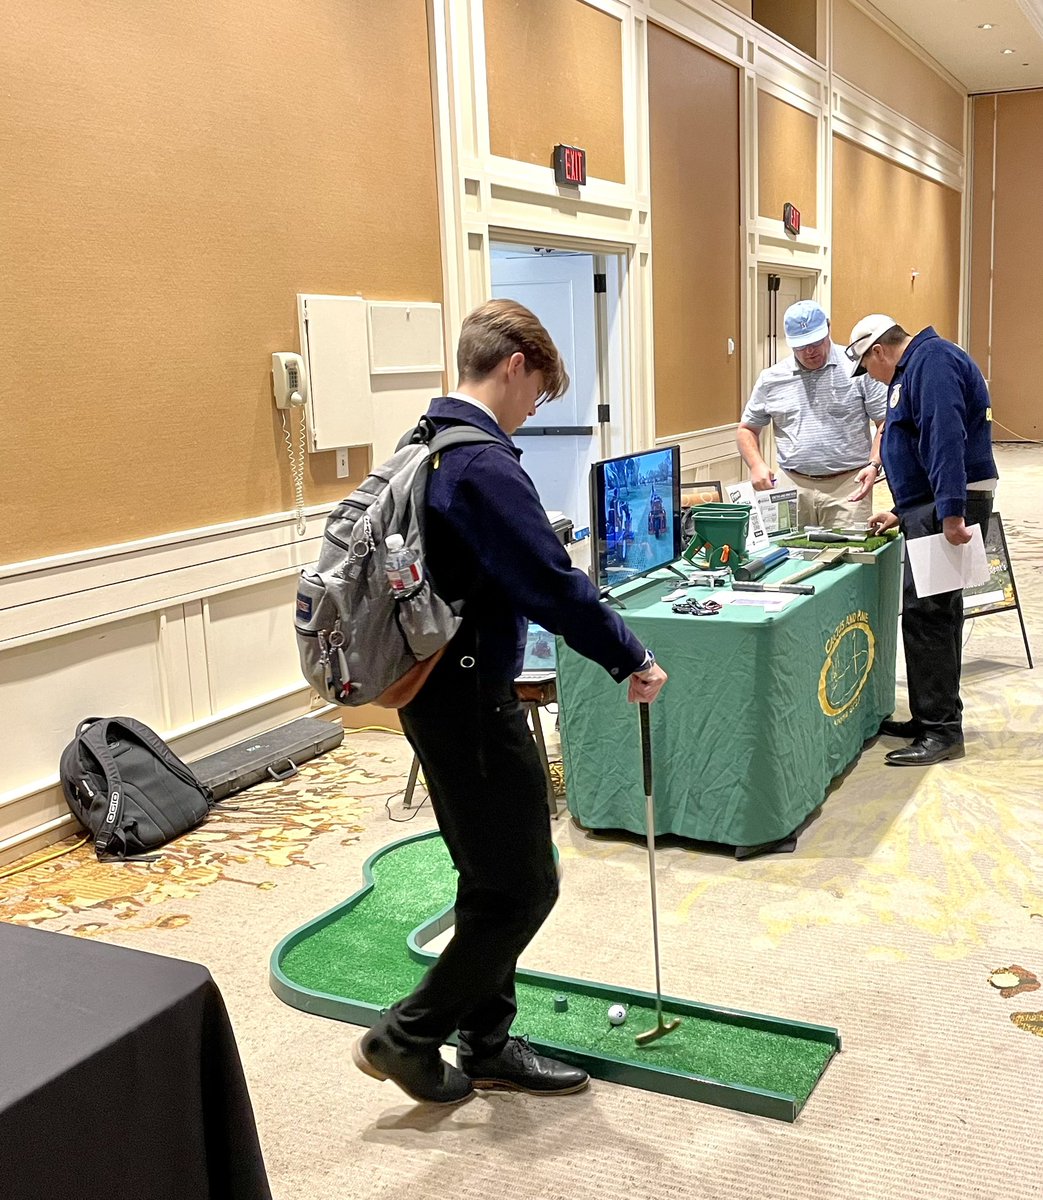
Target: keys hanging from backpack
x=128 y=788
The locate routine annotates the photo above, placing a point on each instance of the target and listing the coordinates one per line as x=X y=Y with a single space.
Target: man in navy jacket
x=937 y=456
x=490 y=543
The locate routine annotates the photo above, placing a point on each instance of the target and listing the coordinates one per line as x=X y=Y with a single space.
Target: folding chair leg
x=541 y=748
x=414 y=770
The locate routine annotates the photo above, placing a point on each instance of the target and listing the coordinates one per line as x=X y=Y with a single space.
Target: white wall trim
x=83 y=589
x=789 y=75
x=864 y=120
x=94 y=553
x=720 y=30
x=966 y=228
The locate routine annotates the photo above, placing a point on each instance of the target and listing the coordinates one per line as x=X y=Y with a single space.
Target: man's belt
x=832 y=475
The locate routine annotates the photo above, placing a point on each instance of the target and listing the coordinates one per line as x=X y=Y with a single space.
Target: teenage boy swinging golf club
x=489 y=542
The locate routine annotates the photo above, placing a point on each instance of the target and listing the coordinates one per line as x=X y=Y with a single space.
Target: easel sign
x=1000 y=592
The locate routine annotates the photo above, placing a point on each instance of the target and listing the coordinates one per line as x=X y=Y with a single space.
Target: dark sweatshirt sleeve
x=943 y=433
x=495 y=508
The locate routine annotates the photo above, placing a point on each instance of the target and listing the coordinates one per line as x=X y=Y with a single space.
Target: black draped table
x=119 y=1076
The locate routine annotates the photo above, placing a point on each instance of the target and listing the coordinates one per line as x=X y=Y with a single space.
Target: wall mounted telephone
x=289 y=379
x=290 y=384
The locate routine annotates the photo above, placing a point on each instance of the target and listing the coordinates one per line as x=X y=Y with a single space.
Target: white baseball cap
x=864 y=335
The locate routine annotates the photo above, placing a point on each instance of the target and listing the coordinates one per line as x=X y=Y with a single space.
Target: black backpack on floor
x=126 y=785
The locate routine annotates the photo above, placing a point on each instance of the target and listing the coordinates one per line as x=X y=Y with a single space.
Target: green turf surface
x=359 y=953
x=870 y=543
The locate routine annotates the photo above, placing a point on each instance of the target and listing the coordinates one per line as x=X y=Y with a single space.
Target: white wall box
x=334 y=342
x=405 y=338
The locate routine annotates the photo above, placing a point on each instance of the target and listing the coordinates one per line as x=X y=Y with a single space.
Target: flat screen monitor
x=635 y=514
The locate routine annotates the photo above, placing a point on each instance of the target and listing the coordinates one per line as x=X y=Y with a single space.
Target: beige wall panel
x=983 y=114
x=787 y=156
x=886 y=222
x=694 y=141
x=866 y=55
x=1017 y=301
x=555 y=75
x=795 y=21
x=183 y=170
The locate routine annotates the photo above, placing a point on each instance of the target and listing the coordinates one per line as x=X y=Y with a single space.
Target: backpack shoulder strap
x=95 y=739
x=425 y=433
x=162 y=751
x=459 y=436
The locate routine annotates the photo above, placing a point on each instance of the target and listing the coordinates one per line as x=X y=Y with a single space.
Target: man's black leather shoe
x=901 y=729
x=518 y=1068
x=427 y=1078
x=923 y=752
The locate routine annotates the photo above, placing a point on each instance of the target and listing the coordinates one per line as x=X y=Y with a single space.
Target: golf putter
x=661 y=1027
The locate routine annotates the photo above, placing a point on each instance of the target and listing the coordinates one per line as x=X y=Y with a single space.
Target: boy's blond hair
x=499 y=328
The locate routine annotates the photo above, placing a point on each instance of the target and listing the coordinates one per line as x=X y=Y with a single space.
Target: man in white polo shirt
x=820 y=418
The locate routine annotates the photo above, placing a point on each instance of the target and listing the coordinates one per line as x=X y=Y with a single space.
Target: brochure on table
x=743 y=493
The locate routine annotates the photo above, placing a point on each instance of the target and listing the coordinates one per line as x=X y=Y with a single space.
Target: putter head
x=661 y=1030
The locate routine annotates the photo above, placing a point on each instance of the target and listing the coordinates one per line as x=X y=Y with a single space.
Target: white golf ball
x=617 y=1014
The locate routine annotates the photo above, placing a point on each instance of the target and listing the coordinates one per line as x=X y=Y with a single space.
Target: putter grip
x=646 y=748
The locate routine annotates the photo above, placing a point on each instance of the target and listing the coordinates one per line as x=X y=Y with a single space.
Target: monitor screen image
x=635 y=514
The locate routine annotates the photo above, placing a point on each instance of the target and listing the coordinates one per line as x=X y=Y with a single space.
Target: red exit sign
x=570 y=165
x=791 y=219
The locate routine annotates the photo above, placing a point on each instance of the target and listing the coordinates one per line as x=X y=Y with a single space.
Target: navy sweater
x=490 y=543
x=938 y=432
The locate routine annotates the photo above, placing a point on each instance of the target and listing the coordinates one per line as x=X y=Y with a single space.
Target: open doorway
x=576 y=294
x=777 y=289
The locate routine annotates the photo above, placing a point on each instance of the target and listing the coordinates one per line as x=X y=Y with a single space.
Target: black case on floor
x=272 y=755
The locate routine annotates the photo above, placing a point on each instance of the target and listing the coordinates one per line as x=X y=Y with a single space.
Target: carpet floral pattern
x=271 y=826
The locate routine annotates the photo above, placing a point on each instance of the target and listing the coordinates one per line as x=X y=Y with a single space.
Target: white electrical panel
x=334 y=343
x=372 y=366
x=405 y=338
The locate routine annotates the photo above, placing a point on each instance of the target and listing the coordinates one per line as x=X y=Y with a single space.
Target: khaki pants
x=825 y=502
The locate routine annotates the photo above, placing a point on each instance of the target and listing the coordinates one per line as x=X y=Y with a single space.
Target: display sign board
x=1000 y=592
x=997 y=594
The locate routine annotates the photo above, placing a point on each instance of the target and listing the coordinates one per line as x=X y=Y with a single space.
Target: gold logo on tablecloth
x=850 y=651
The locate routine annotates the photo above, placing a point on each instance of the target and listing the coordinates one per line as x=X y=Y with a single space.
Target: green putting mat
x=358 y=958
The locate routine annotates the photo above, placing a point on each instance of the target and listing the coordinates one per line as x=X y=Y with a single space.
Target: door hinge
x=600 y=283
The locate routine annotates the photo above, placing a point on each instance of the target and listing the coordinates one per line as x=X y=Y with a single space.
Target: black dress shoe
x=923 y=752
x=427 y=1077
x=518 y=1068
x=902 y=729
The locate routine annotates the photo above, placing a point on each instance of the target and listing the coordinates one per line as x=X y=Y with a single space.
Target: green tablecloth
x=760 y=712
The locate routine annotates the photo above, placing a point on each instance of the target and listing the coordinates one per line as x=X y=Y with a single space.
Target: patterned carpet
x=910 y=916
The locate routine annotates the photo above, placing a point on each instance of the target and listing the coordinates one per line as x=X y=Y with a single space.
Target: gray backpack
x=357 y=643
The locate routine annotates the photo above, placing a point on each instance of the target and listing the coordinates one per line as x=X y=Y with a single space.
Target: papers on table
x=938 y=566
x=771 y=602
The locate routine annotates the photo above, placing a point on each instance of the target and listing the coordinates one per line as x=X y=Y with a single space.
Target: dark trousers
x=932 y=631
x=488 y=792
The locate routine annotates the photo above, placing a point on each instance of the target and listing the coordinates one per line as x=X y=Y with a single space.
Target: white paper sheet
x=769 y=601
x=938 y=566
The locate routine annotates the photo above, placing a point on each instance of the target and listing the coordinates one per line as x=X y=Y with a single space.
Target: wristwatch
x=647 y=665
x=877 y=466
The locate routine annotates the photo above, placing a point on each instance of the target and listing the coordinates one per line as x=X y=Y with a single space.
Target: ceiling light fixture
x=1006 y=51
x=985 y=26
